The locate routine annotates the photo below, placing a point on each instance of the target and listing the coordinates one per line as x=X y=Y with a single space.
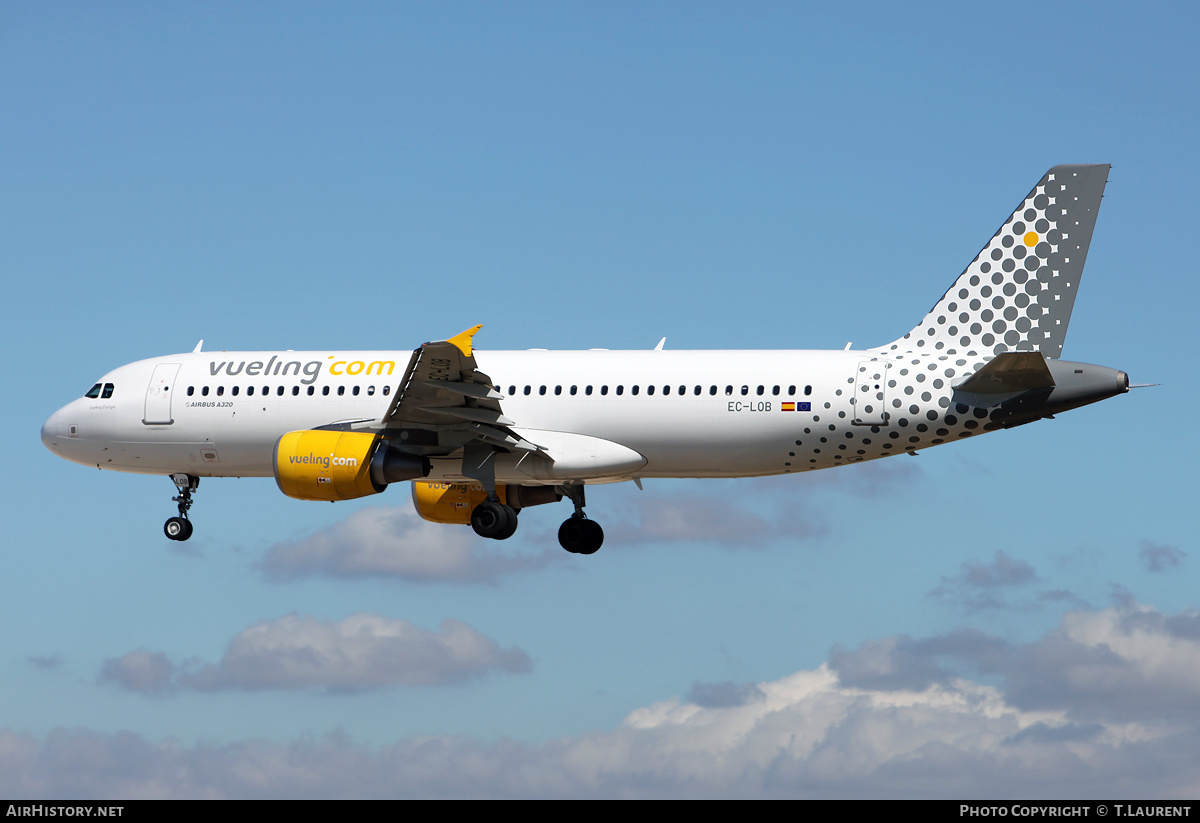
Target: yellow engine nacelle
x=446 y=502
x=325 y=465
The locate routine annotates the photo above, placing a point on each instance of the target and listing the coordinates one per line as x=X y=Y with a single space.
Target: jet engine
x=333 y=465
x=446 y=502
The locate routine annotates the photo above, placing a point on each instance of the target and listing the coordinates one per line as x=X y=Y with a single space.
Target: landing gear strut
x=493 y=519
x=180 y=528
x=577 y=534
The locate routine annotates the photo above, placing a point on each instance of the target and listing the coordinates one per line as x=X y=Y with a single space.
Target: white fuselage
x=688 y=413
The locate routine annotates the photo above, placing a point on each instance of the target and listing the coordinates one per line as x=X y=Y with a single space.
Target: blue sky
x=1020 y=609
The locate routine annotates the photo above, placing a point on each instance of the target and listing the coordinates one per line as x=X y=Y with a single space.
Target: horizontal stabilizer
x=1009 y=372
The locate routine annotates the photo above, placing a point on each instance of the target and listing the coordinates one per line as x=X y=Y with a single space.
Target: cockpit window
x=94 y=391
x=108 y=390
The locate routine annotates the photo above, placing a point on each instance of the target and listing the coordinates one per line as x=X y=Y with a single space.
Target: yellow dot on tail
x=1031 y=238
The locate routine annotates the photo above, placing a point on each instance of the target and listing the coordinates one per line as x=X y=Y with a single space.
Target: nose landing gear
x=577 y=534
x=180 y=528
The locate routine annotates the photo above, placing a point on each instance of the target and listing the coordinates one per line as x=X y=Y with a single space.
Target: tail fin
x=1018 y=292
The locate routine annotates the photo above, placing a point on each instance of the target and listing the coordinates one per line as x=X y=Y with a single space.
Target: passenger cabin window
x=234 y=391
x=370 y=391
x=279 y=391
x=636 y=389
x=311 y=390
x=574 y=390
x=341 y=390
x=588 y=391
x=620 y=389
x=729 y=390
x=94 y=391
x=558 y=390
x=388 y=390
x=220 y=391
x=354 y=391
x=204 y=392
x=807 y=391
x=249 y=391
x=324 y=391
x=295 y=391
x=191 y=390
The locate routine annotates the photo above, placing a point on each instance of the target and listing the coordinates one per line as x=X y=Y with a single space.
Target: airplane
x=482 y=435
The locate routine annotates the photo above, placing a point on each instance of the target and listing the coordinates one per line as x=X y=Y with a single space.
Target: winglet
x=463 y=341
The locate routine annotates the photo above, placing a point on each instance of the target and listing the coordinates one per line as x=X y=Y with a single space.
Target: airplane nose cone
x=52 y=431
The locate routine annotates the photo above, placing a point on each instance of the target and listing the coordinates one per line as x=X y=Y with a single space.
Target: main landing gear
x=577 y=534
x=493 y=519
x=180 y=528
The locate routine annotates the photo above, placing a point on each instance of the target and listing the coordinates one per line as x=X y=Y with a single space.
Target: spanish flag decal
x=788 y=407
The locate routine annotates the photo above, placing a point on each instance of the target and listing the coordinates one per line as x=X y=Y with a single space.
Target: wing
x=445 y=403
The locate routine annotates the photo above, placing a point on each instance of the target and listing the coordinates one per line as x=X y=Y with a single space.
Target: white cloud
x=140 y=671
x=983 y=585
x=688 y=517
x=1116 y=716
x=1158 y=557
x=729 y=520
x=396 y=542
x=1130 y=663
x=750 y=513
x=46 y=662
x=364 y=651
x=723 y=695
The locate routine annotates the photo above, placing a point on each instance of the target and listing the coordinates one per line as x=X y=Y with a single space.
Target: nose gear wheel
x=577 y=534
x=180 y=528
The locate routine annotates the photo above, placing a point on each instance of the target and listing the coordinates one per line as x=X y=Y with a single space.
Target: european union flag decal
x=804 y=407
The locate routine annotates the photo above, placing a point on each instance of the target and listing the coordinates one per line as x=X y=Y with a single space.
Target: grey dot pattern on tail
x=1018 y=292
x=1016 y=295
